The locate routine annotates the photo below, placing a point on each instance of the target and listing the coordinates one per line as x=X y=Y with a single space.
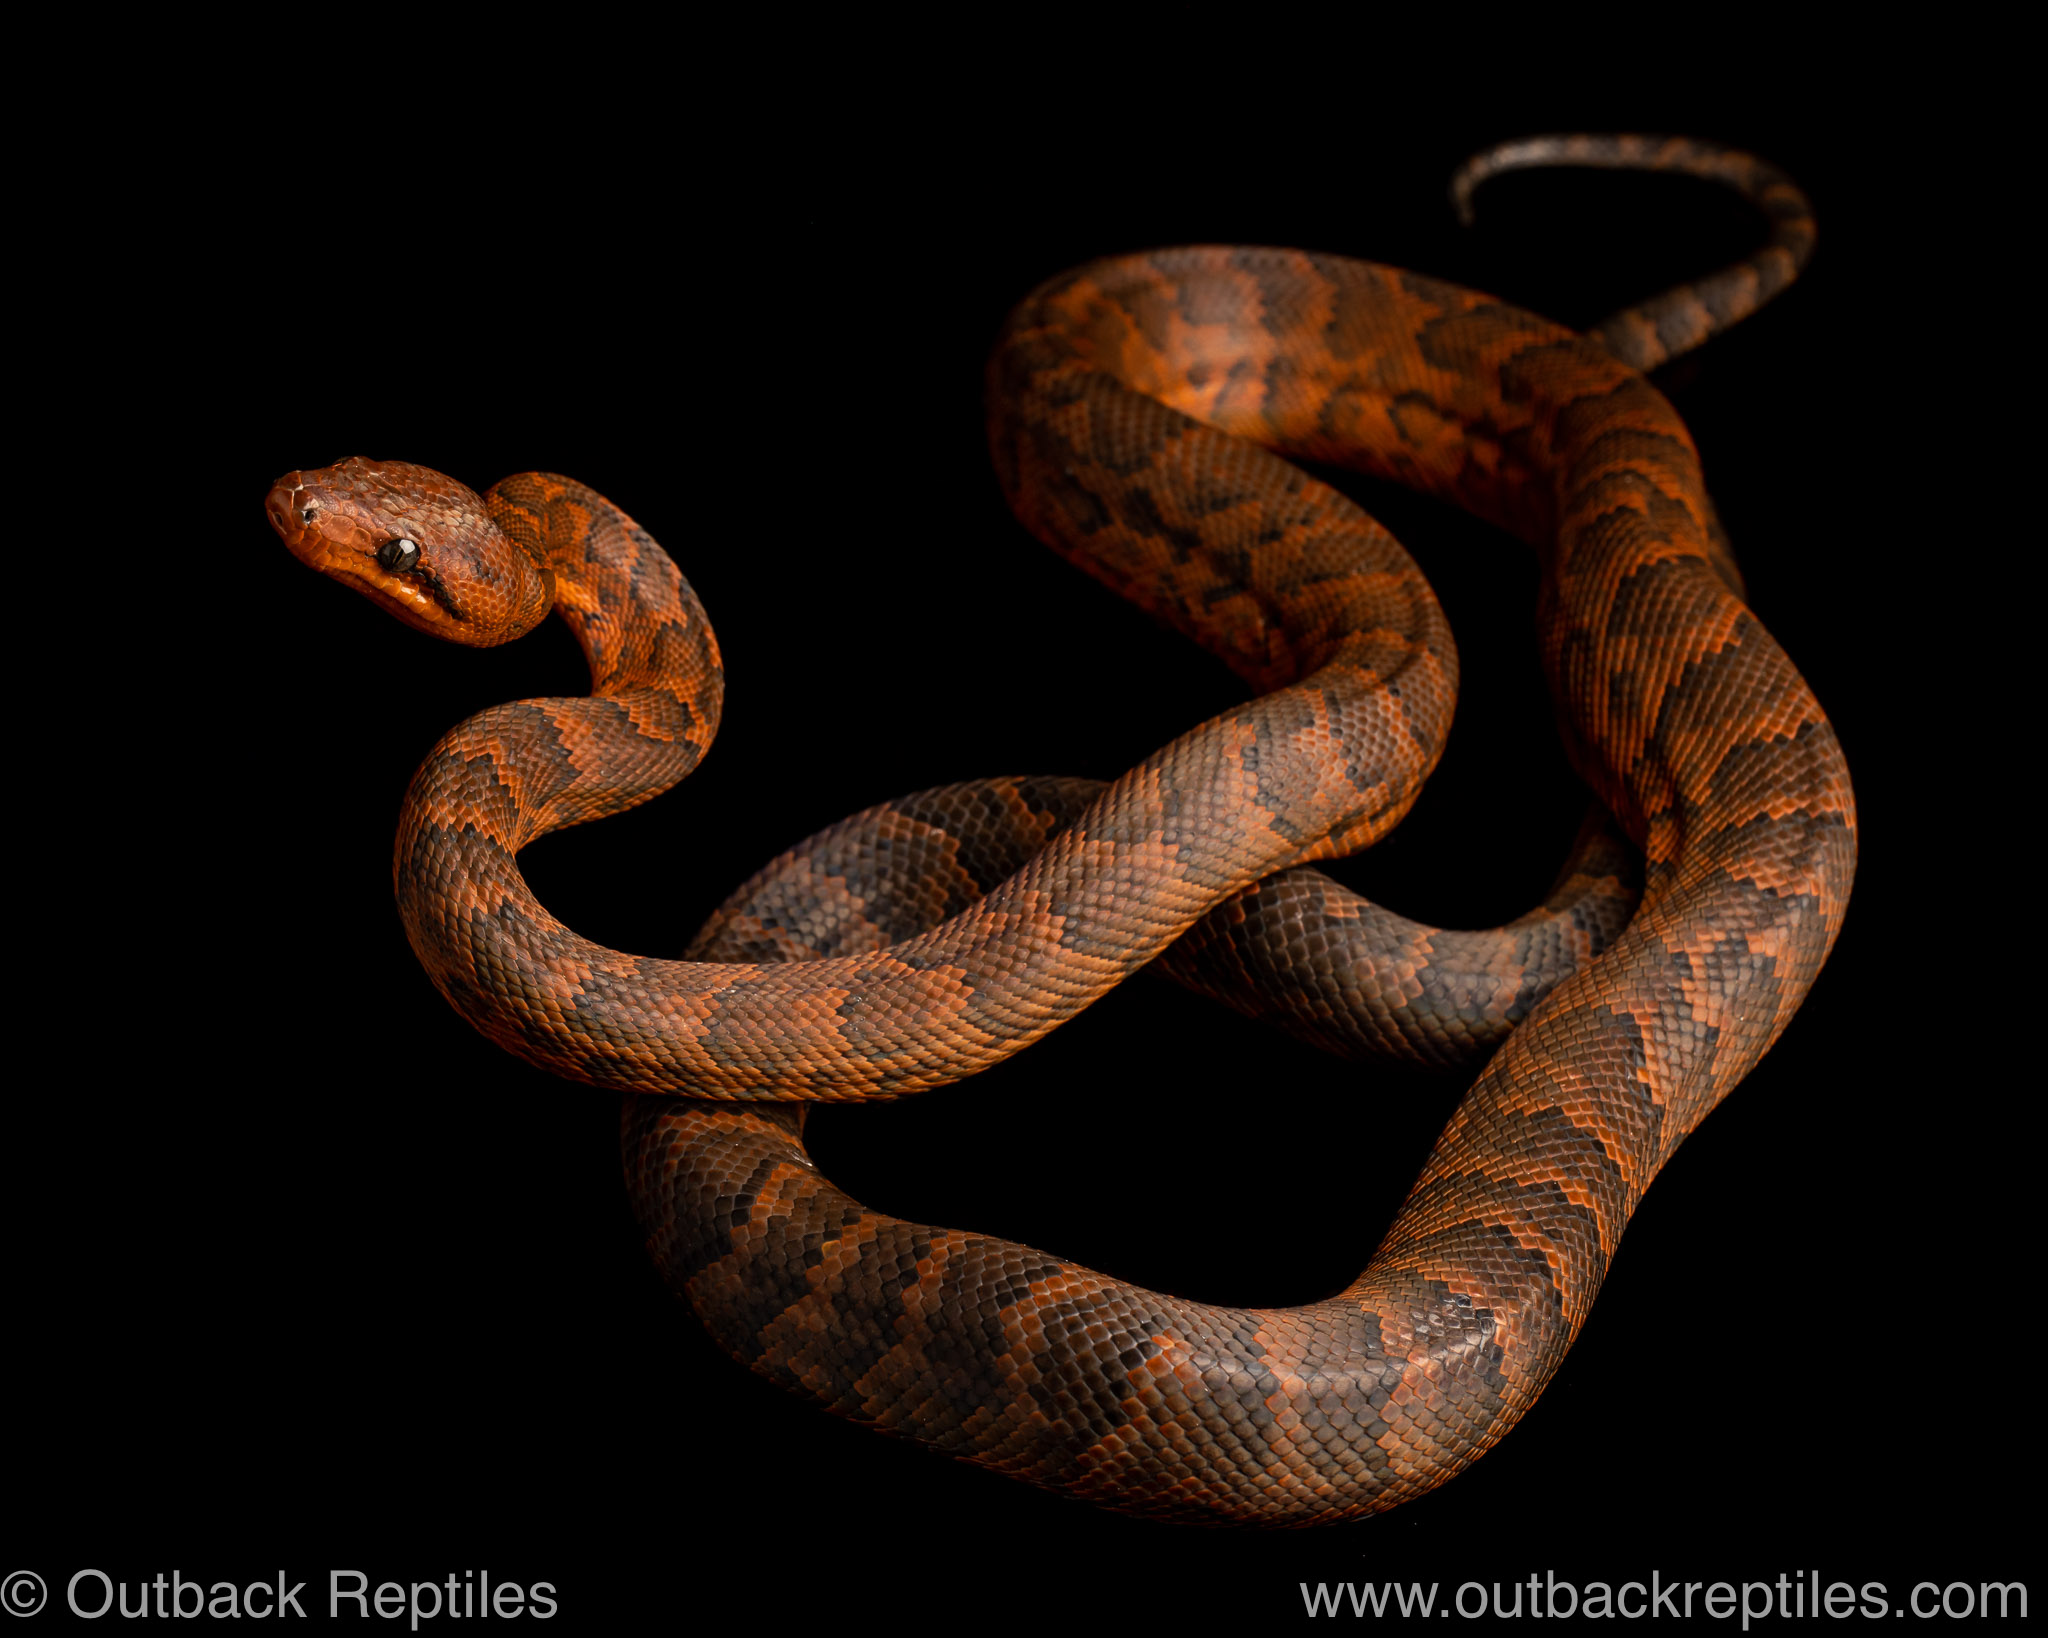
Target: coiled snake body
x=1140 y=410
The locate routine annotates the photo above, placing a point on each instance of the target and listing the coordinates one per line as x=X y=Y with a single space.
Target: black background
x=309 y=1275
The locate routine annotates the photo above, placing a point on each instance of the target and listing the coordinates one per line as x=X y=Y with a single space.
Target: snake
x=1146 y=414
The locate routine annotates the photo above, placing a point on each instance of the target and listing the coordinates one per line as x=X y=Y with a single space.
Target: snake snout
x=283 y=507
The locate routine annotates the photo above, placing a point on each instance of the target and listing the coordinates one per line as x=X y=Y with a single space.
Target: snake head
x=416 y=543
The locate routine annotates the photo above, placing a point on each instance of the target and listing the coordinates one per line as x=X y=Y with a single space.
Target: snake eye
x=399 y=555
x=307 y=513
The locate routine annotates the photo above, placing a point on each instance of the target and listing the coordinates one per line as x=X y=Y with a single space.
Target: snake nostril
x=280 y=503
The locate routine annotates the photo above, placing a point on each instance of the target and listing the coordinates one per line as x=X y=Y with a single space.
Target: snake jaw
x=400 y=595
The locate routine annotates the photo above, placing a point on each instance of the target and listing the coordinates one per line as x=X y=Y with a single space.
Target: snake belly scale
x=1144 y=413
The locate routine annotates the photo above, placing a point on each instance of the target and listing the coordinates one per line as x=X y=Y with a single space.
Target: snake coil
x=1143 y=412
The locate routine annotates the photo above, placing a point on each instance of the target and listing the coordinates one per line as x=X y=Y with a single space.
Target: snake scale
x=1144 y=413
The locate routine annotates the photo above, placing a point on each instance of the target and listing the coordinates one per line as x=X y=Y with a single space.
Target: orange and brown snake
x=1140 y=410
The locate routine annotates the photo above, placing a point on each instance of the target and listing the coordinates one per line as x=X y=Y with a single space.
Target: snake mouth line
x=422 y=605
